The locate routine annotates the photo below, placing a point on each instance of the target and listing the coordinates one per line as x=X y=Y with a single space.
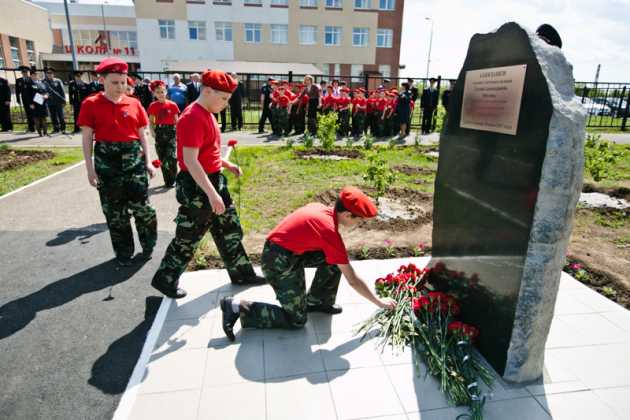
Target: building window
x=253 y=33
x=85 y=37
x=223 y=31
x=252 y=2
x=280 y=3
x=387 y=4
x=360 y=37
x=335 y=4
x=279 y=34
x=362 y=4
x=197 y=30
x=332 y=35
x=167 y=29
x=385 y=70
x=356 y=70
x=2 y=63
x=336 y=70
x=123 y=39
x=30 y=52
x=384 y=38
x=308 y=35
x=308 y=3
x=15 y=51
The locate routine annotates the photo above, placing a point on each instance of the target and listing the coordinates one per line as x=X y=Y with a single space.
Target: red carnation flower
x=232 y=142
x=420 y=303
x=455 y=326
x=157 y=163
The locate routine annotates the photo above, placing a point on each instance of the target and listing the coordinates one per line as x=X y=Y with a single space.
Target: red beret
x=112 y=65
x=274 y=82
x=344 y=89
x=357 y=203
x=154 y=84
x=284 y=83
x=130 y=81
x=218 y=80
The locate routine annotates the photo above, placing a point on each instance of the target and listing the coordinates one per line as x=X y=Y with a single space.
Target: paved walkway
x=323 y=372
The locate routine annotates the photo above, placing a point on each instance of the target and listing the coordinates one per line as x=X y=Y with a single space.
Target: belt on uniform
x=164 y=125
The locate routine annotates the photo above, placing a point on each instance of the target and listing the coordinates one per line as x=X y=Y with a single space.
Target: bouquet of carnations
x=426 y=321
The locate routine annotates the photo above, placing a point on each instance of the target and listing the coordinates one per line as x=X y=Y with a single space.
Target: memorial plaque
x=509 y=177
x=492 y=99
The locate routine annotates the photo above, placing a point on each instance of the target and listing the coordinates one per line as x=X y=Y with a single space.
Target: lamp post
x=430 y=44
x=75 y=66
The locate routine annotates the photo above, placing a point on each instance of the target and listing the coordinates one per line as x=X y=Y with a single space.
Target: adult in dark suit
x=236 y=105
x=142 y=92
x=265 y=101
x=24 y=94
x=414 y=97
x=78 y=90
x=5 y=105
x=56 y=100
x=429 y=103
x=192 y=88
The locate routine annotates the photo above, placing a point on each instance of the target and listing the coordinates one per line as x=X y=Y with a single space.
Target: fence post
x=625 y=114
x=366 y=80
x=290 y=76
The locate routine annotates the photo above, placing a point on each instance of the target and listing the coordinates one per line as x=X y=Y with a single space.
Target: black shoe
x=327 y=309
x=229 y=317
x=147 y=254
x=250 y=281
x=172 y=292
x=124 y=261
x=261 y=132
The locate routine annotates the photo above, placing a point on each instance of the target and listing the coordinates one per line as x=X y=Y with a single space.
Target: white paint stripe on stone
x=129 y=396
x=42 y=180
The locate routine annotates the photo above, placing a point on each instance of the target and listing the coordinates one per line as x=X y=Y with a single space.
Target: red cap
x=357 y=203
x=218 y=80
x=345 y=89
x=154 y=84
x=274 y=82
x=112 y=65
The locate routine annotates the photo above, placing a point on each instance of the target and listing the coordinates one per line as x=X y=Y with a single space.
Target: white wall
x=154 y=50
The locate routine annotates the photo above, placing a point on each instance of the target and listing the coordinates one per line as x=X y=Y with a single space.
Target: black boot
x=168 y=290
x=327 y=309
x=229 y=317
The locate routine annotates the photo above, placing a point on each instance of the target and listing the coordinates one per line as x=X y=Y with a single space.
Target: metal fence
x=607 y=104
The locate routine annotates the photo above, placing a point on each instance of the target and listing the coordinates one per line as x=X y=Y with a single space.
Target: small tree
x=599 y=157
x=368 y=141
x=327 y=126
x=379 y=174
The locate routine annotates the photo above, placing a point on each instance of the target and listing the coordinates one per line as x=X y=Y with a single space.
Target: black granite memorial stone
x=486 y=192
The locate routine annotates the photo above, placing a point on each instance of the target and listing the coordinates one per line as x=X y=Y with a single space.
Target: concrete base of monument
x=188 y=369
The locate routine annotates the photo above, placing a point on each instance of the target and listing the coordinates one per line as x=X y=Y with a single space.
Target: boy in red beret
x=281 y=103
x=343 y=111
x=359 y=113
x=202 y=191
x=328 y=101
x=163 y=114
x=308 y=237
x=114 y=125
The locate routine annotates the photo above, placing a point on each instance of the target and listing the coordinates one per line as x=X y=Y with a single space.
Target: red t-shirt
x=343 y=102
x=198 y=129
x=283 y=101
x=359 y=104
x=165 y=112
x=113 y=121
x=311 y=228
x=381 y=103
x=328 y=101
x=304 y=99
x=371 y=104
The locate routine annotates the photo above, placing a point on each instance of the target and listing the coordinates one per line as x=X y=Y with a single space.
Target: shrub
x=379 y=174
x=599 y=157
x=327 y=126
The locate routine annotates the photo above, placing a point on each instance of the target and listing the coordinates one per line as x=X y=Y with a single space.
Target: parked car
x=595 y=108
x=615 y=108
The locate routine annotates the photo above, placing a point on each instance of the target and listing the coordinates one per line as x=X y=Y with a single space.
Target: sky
x=593 y=32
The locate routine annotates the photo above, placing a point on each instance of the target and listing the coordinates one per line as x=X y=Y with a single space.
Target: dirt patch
x=621 y=192
x=413 y=170
x=400 y=210
x=335 y=153
x=598 y=280
x=11 y=159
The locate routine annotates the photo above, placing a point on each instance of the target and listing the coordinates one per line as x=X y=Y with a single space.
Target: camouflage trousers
x=123 y=189
x=344 y=122
x=285 y=273
x=194 y=219
x=166 y=149
x=280 y=118
x=358 y=124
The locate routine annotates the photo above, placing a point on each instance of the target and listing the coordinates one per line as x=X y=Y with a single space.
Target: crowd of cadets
x=382 y=112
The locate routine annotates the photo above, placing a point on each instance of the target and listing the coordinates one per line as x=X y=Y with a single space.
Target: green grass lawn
x=15 y=178
x=275 y=182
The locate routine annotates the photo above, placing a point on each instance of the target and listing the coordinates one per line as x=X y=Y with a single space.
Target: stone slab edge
x=558 y=194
